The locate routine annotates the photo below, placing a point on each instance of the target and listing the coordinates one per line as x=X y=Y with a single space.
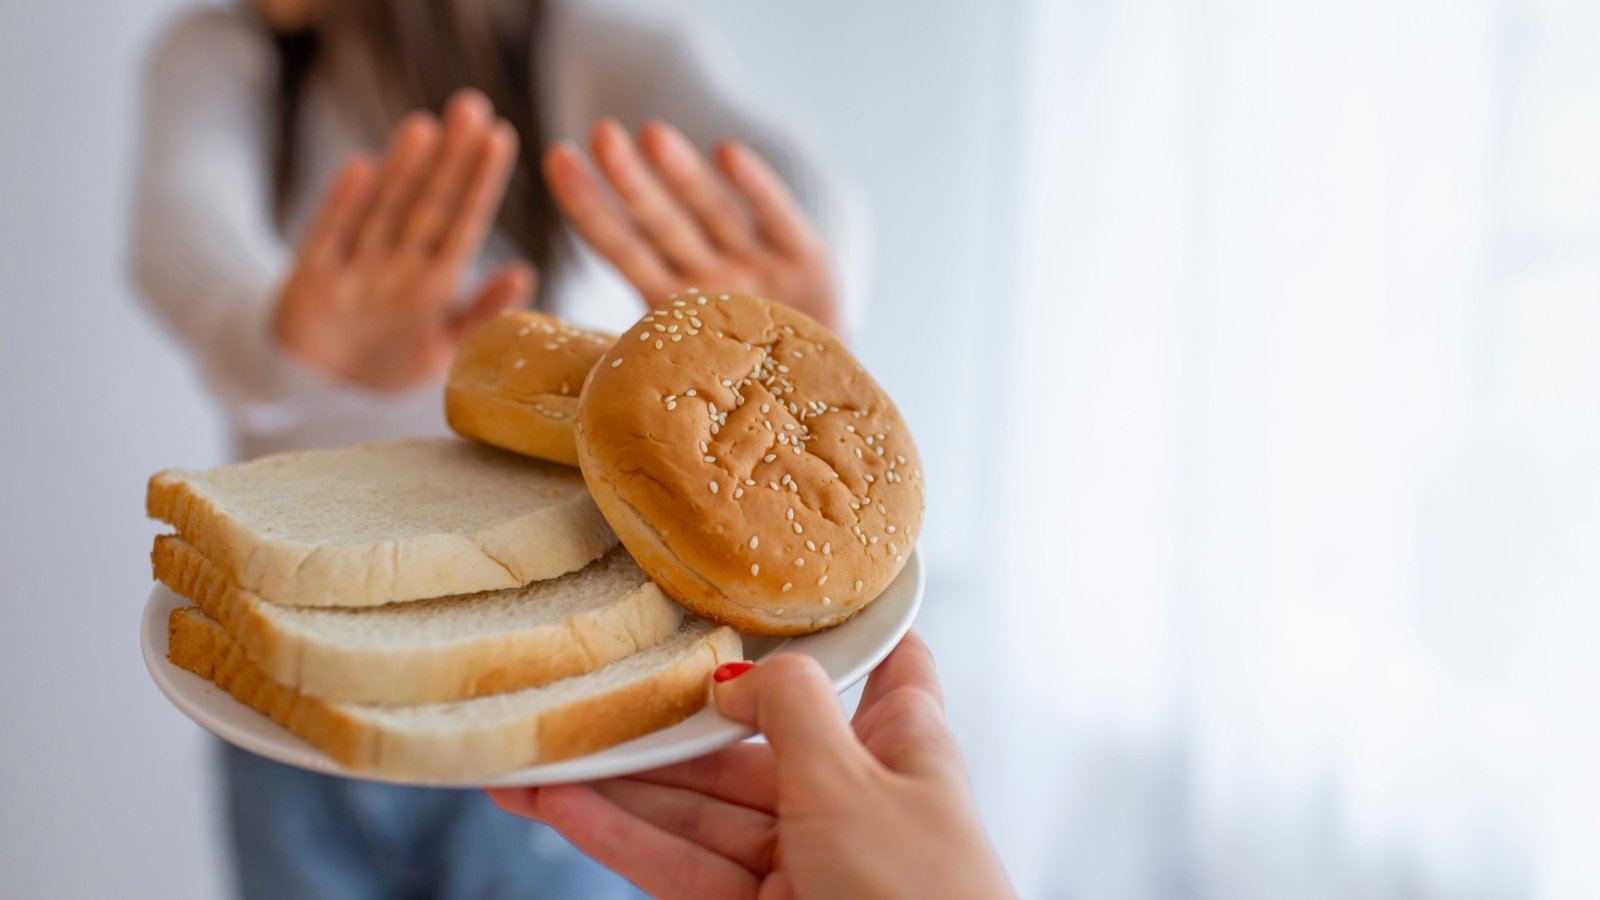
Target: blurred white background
x=1254 y=349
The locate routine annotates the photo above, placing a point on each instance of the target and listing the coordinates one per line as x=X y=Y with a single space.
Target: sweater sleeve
x=203 y=251
x=664 y=64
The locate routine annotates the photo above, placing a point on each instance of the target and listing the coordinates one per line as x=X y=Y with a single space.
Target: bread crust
x=514 y=383
x=423 y=672
x=359 y=740
x=750 y=464
x=557 y=530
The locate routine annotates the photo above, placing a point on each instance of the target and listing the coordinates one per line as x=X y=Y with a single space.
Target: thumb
x=508 y=287
x=790 y=700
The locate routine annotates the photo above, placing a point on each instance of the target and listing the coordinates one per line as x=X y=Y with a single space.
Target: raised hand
x=875 y=808
x=680 y=221
x=369 y=297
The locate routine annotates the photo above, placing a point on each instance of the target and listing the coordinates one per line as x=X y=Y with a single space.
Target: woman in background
x=330 y=194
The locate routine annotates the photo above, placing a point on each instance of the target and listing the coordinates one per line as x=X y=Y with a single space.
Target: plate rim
x=190 y=693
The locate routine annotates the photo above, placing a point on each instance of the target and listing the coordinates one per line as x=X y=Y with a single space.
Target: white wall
x=99 y=776
x=102 y=784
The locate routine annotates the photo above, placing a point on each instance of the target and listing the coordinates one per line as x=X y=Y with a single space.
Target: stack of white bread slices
x=430 y=611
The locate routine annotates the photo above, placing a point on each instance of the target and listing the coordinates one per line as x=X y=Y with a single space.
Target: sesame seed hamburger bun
x=515 y=383
x=750 y=464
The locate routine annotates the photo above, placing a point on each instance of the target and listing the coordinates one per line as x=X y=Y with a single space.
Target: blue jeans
x=300 y=835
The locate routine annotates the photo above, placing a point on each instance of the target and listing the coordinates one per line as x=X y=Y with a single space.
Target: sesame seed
x=873 y=539
x=710 y=458
x=519 y=363
x=680 y=302
x=890 y=529
x=689 y=393
x=660 y=327
x=755 y=568
x=827 y=549
x=787 y=586
x=858 y=584
x=827 y=601
x=799 y=561
x=779 y=610
x=551 y=346
x=773 y=485
x=810 y=545
x=714 y=490
x=644 y=335
x=672 y=404
x=678 y=337
x=798 y=529
x=822 y=581
x=616 y=362
x=659 y=345
x=791 y=514
x=754 y=542
x=769 y=457
x=893 y=549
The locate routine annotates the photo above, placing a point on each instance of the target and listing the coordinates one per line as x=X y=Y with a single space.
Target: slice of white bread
x=427 y=651
x=379 y=523
x=465 y=739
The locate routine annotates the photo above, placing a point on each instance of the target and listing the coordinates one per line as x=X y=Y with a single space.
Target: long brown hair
x=421 y=52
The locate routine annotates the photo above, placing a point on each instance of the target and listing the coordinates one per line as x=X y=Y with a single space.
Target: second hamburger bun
x=515 y=383
x=750 y=464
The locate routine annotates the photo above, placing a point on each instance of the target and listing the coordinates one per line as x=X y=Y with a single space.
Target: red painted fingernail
x=731 y=670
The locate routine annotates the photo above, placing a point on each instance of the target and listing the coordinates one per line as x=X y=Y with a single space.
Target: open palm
x=675 y=220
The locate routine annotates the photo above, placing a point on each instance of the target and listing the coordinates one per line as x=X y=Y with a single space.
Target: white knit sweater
x=206 y=257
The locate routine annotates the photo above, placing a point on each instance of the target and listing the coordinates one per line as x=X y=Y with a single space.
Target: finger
x=509 y=287
x=518 y=801
x=790 y=699
x=742 y=774
x=599 y=223
x=777 y=213
x=698 y=187
x=661 y=864
x=468 y=121
x=909 y=665
x=729 y=830
x=403 y=169
x=332 y=235
x=481 y=196
x=656 y=211
x=906 y=731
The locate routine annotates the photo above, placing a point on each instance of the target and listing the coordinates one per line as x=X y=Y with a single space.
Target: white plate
x=847 y=652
